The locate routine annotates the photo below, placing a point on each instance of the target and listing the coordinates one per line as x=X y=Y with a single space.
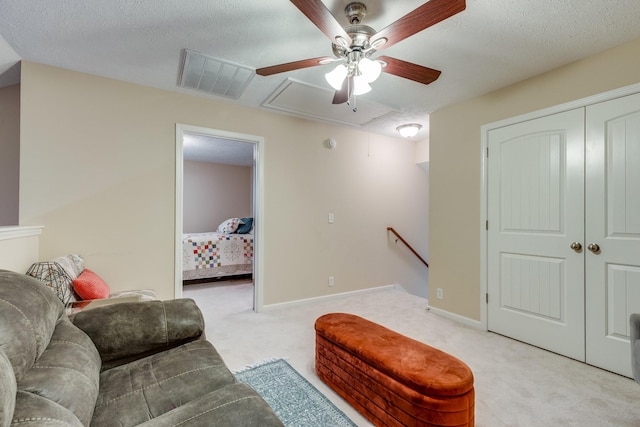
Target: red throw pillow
x=89 y=285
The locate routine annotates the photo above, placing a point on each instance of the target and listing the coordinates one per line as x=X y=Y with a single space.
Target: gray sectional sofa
x=143 y=363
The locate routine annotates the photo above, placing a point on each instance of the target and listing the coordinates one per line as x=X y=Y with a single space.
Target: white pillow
x=73 y=264
x=229 y=226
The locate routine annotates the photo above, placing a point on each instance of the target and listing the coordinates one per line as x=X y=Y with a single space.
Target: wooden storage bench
x=392 y=380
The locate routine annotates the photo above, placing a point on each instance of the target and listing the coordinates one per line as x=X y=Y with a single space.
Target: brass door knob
x=576 y=246
x=594 y=247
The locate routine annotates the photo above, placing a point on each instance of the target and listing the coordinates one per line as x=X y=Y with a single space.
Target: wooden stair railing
x=399 y=237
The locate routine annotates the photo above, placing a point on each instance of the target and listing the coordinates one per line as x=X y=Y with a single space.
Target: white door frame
x=258 y=204
x=484 y=169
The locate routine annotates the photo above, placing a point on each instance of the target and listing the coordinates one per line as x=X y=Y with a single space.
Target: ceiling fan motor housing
x=360 y=35
x=355 y=12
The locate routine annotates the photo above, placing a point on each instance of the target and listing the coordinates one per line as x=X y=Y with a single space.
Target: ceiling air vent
x=214 y=76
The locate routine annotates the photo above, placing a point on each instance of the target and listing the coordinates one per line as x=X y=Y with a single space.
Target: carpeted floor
x=294 y=399
x=516 y=384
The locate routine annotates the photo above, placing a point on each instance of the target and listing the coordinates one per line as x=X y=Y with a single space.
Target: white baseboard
x=340 y=295
x=475 y=324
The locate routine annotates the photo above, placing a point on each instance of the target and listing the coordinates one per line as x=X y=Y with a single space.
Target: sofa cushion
x=66 y=373
x=147 y=388
x=132 y=330
x=50 y=414
x=89 y=285
x=7 y=391
x=233 y=405
x=28 y=316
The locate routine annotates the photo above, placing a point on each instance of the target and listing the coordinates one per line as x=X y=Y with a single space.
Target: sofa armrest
x=634 y=324
x=132 y=330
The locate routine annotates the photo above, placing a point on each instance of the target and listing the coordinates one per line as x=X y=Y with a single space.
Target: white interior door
x=535 y=212
x=613 y=223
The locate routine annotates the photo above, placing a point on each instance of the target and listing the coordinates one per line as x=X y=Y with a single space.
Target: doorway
x=230 y=145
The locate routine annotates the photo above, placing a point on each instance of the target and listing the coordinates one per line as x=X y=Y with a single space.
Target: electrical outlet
x=331 y=218
x=439 y=293
x=330 y=280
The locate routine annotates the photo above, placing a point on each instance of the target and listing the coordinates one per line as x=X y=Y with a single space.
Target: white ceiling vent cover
x=214 y=76
x=314 y=102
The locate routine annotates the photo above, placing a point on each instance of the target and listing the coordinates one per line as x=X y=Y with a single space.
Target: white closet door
x=612 y=218
x=535 y=212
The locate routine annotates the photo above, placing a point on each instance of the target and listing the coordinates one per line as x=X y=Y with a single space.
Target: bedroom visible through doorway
x=216 y=217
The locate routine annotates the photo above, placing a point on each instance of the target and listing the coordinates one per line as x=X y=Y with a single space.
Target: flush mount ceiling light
x=409 y=130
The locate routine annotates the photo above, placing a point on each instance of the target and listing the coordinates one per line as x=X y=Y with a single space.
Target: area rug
x=294 y=399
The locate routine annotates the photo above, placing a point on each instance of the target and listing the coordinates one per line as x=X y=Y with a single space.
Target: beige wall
x=422 y=151
x=455 y=164
x=9 y=154
x=98 y=171
x=213 y=193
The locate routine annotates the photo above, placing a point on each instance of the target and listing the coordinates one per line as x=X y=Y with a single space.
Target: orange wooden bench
x=391 y=379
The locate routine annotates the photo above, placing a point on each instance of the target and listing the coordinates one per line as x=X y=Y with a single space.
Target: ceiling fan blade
x=290 y=66
x=318 y=13
x=422 y=18
x=409 y=70
x=341 y=96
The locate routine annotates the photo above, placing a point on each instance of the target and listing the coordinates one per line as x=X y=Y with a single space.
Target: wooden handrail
x=408 y=245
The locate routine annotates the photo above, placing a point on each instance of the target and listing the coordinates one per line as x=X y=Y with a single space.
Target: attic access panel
x=314 y=102
x=214 y=76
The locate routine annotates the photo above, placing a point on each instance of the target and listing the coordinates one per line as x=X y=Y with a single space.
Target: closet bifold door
x=612 y=230
x=535 y=209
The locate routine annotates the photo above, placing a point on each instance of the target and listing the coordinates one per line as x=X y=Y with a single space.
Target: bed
x=216 y=255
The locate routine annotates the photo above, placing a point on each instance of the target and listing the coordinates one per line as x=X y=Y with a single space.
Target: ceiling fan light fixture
x=360 y=85
x=369 y=70
x=337 y=76
x=409 y=130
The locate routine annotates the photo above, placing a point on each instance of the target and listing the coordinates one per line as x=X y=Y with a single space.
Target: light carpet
x=516 y=384
x=294 y=399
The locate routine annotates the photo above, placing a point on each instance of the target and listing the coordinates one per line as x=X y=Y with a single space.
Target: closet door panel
x=612 y=222
x=535 y=212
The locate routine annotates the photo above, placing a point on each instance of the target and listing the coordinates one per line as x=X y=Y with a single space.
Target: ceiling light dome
x=409 y=130
x=337 y=76
x=370 y=70
x=360 y=85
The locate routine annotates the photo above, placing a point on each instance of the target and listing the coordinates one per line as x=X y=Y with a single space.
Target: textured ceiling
x=493 y=43
x=9 y=64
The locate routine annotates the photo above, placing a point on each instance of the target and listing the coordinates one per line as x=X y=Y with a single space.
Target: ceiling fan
x=355 y=43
